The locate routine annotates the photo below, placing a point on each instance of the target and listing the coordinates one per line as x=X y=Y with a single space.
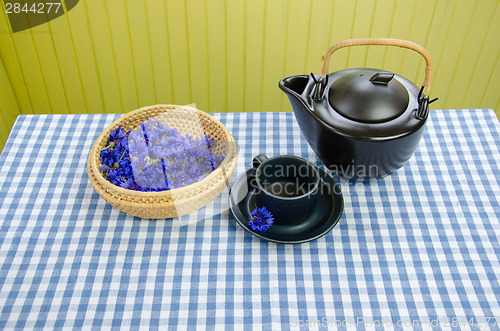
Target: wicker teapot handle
x=387 y=42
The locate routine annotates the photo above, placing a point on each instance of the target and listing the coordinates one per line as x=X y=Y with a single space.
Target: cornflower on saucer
x=260 y=219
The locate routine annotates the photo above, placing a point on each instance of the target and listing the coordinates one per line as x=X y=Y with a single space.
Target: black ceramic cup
x=288 y=187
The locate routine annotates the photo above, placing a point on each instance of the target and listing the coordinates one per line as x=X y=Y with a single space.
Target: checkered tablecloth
x=417 y=249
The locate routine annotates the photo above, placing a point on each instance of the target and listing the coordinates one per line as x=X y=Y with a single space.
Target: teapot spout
x=296 y=84
x=297 y=88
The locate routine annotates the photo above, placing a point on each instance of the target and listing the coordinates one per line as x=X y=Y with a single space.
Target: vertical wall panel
x=400 y=28
x=216 y=48
x=9 y=108
x=85 y=56
x=160 y=52
x=67 y=73
x=271 y=97
x=319 y=34
x=28 y=65
x=380 y=26
x=254 y=48
x=11 y=66
x=467 y=64
x=413 y=64
x=492 y=89
x=444 y=12
x=122 y=46
x=198 y=55
x=453 y=47
x=228 y=55
x=235 y=54
x=50 y=69
x=138 y=28
x=179 y=51
x=297 y=36
x=363 y=20
x=481 y=88
x=107 y=68
x=341 y=26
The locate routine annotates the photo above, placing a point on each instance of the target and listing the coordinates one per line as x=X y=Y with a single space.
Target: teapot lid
x=368 y=97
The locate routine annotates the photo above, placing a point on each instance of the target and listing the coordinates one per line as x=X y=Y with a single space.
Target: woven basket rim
x=229 y=160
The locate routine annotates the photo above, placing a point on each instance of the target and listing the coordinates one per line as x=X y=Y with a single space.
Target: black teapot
x=362 y=123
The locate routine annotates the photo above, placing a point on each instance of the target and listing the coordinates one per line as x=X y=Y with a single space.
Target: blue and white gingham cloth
x=417 y=249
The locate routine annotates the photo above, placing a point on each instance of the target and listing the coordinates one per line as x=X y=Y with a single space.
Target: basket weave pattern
x=176 y=202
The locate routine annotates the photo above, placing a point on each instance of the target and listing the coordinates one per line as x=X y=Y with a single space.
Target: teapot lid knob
x=382 y=78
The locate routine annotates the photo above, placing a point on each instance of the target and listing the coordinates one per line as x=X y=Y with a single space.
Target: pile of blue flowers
x=155 y=157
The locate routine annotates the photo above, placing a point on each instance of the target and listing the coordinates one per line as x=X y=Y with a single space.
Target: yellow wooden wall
x=107 y=56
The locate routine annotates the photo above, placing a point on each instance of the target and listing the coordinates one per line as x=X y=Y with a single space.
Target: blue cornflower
x=125 y=168
x=116 y=138
x=196 y=170
x=114 y=157
x=158 y=150
x=113 y=175
x=107 y=156
x=117 y=134
x=151 y=176
x=130 y=184
x=207 y=140
x=177 y=178
x=105 y=167
x=260 y=219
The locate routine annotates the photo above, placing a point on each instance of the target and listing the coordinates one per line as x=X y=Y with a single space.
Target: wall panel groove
x=96 y=60
x=113 y=54
x=118 y=55
x=9 y=107
x=72 y=62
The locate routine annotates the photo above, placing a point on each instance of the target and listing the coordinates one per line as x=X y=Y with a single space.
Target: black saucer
x=324 y=217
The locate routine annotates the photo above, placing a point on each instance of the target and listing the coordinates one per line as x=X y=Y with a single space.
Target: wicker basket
x=175 y=202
